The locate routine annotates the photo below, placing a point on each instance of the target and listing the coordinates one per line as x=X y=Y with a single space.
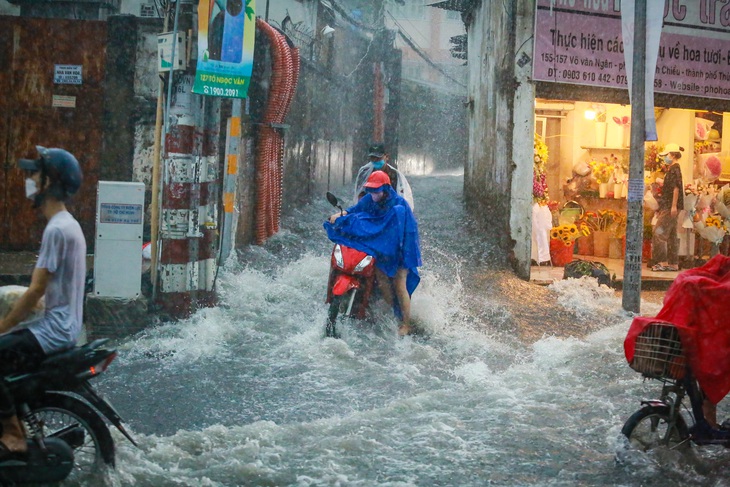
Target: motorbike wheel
x=332 y=314
x=66 y=417
x=649 y=427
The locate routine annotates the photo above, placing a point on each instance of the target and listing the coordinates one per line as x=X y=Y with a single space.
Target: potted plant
x=562 y=243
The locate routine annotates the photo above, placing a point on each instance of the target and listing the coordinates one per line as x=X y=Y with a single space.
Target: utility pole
x=631 y=297
x=190 y=190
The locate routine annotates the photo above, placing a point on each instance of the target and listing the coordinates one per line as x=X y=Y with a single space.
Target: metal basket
x=658 y=352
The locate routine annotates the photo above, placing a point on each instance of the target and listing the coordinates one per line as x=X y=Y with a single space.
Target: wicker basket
x=658 y=352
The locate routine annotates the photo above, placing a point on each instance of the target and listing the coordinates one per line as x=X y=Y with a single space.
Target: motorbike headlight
x=364 y=263
x=338 y=256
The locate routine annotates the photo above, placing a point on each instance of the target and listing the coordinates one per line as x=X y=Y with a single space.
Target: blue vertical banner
x=226 y=35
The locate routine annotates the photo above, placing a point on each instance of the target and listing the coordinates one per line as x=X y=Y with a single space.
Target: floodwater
x=512 y=384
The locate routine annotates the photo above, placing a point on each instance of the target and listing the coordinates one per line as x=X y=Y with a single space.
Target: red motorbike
x=351 y=279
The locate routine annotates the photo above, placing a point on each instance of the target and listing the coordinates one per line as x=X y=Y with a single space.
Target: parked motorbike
x=64 y=418
x=351 y=278
x=667 y=421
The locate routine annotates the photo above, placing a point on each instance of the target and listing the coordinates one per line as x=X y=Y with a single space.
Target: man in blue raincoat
x=382 y=225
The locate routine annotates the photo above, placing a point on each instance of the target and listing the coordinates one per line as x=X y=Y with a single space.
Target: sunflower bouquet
x=566 y=233
x=712 y=228
x=587 y=223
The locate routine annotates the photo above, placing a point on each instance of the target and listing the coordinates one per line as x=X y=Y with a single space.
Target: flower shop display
x=539 y=178
x=562 y=243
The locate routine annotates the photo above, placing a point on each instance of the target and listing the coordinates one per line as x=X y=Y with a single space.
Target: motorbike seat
x=55 y=359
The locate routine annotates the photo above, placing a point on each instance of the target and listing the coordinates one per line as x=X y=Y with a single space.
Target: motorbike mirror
x=333 y=200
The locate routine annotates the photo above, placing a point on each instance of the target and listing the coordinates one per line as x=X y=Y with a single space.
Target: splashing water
x=250 y=393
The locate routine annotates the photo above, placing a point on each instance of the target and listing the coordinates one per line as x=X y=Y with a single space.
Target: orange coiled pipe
x=270 y=146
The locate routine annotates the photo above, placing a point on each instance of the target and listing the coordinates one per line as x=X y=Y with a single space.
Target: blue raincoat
x=386 y=230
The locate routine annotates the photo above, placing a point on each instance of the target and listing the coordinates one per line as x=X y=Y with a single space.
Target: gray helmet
x=60 y=167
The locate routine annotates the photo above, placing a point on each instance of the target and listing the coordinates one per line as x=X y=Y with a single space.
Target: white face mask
x=31 y=189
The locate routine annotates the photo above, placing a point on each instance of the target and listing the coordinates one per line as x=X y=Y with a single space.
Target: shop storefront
x=583 y=121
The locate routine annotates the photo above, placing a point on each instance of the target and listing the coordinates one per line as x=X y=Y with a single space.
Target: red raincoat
x=698 y=303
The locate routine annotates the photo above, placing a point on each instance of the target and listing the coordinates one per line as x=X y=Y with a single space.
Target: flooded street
x=512 y=383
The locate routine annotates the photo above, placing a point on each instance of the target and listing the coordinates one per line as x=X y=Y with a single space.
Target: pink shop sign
x=583 y=45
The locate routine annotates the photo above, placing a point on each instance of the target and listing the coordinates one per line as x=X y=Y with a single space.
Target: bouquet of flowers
x=539 y=179
x=587 y=223
x=652 y=159
x=722 y=202
x=691 y=196
x=706 y=195
x=712 y=228
x=601 y=171
x=607 y=220
x=566 y=233
x=703 y=147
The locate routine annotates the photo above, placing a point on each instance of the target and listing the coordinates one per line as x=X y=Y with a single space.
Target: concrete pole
x=190 y=193
x=631 y=300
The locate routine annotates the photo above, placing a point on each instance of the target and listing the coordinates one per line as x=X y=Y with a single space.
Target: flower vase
x=614 y=248
x=561 y=254
x=602 y=189
x=627 y=135
x=600 y=243
x=618 y=190
x=585 y=244
x=600 y=134
x=625 y=190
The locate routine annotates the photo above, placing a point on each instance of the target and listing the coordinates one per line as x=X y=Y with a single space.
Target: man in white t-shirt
x=59 y=276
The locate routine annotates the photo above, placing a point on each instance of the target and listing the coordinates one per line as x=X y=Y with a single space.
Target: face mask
x=31 y=189
x=378 y=164
x=667 y=160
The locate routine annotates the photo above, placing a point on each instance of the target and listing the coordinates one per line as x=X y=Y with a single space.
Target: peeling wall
x=498 y=174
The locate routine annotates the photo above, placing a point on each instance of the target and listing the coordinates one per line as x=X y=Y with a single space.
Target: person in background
x=382 y=225
x=59 y=276
x=379 y=162
x=665 y=247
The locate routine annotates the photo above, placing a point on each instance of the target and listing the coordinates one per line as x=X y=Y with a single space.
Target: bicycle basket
x=658 y=352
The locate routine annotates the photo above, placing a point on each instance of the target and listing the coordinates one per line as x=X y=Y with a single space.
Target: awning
x=457 y=5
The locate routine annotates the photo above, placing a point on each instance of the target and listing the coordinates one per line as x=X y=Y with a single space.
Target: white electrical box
x=118 y=250
x=165 y=44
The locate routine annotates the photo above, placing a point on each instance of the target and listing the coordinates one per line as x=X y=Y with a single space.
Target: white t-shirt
x=63 y=253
